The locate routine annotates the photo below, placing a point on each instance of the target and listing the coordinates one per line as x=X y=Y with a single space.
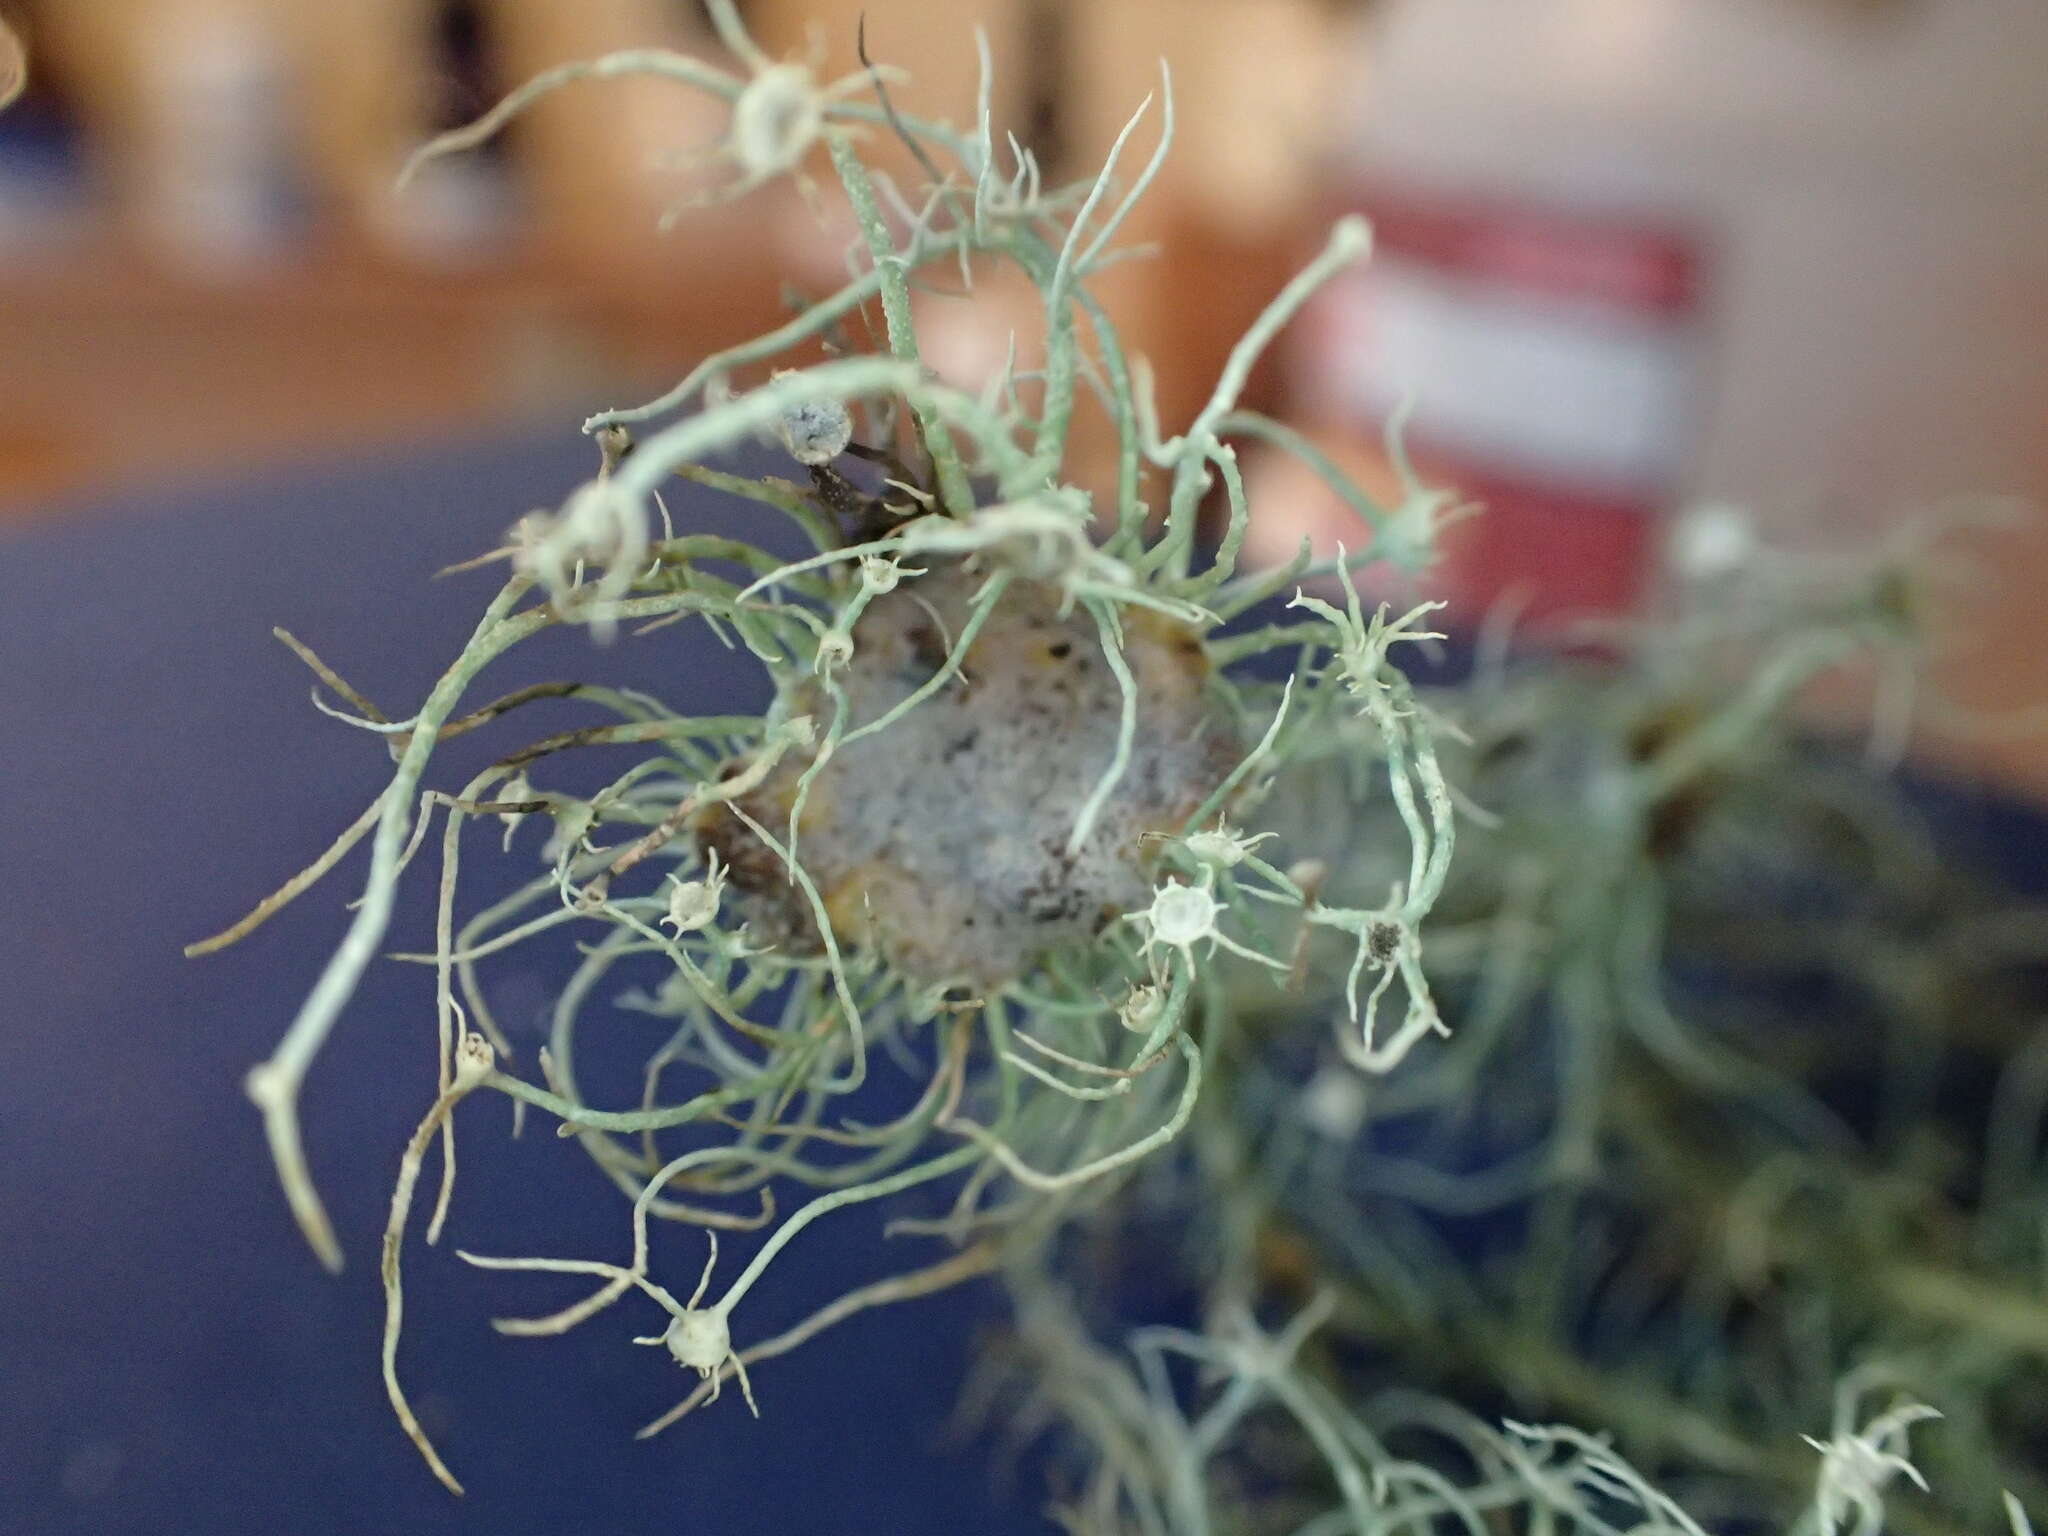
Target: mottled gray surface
x=944 y=838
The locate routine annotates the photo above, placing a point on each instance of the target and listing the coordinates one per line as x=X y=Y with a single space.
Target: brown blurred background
x=1632 y=254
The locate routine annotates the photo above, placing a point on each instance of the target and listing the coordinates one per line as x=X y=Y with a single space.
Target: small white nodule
x=1710 y=541
x=815 y=432
x=1182 y=915
x=1140 y=1011
x=699 y=1339
x=693 y=904
x=776 y=120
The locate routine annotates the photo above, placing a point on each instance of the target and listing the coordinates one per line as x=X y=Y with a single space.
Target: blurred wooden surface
x=115 y=373
x=133 y=347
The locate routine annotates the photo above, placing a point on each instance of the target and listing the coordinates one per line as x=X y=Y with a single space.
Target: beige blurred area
x=205 y=256
x=207 y=267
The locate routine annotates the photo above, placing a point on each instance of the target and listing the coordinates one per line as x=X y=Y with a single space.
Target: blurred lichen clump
x=1023 y=829
x=1736 y=1152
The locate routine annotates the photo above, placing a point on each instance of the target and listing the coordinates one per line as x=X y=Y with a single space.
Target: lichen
x=977 y=841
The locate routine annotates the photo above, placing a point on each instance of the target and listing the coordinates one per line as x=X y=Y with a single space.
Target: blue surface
x=171 y=1357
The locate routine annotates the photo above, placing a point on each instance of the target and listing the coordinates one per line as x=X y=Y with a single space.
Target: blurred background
x=1632 y=254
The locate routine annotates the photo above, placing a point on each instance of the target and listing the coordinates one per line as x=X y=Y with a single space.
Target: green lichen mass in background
x=1024 y=822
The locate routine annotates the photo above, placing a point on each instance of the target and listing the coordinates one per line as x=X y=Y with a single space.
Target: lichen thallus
x=979 y=828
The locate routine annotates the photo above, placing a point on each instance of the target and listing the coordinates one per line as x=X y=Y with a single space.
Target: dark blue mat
x=171 y=1357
